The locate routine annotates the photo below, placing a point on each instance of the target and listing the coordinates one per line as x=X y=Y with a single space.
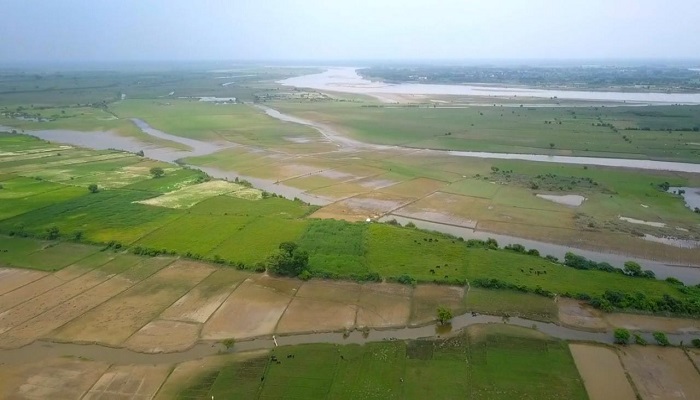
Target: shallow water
x=691 y=196
x=688 y=274
x=40 y=350
x=348 y=81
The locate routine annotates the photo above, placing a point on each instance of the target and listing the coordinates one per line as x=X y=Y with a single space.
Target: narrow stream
x=40 y=350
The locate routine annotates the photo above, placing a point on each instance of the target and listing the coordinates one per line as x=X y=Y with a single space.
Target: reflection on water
x=348 y=81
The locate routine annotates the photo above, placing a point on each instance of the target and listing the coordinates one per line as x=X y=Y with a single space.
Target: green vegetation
x=696 y=343
x=661 y=339
x=289 y=260
x=621 y=335
x=494 y=365
x=444 y=315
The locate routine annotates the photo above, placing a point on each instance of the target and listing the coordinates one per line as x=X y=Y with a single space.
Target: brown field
x=136 y=382
x=48 y=300
x=383 y=305
x=11 y=279
x=57 y=378
x=164 y=336
x=316 y=315
x=661 y=373
x=114 y=321
x=252 y=310
x=694 y=355
x=602 y=373
x=201 y=302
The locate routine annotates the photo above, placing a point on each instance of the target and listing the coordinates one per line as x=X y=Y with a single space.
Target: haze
x=166 y=30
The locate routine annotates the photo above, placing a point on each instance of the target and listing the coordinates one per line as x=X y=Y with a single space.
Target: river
x=347 y=80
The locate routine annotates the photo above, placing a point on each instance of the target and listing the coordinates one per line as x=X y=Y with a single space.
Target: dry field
x=661 y=373
x=602 y=372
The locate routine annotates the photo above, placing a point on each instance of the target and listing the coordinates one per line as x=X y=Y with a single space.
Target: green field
x=624 y=132
x=495 y=363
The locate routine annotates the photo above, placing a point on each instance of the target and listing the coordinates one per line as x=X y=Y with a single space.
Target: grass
x=498 y=366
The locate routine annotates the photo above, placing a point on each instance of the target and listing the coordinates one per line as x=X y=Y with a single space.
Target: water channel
x=40 y=350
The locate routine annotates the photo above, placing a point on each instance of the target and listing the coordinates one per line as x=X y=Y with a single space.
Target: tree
x=93 y=188
x=288 y=260
x=696 y=343
x=157 y=172
x=139 y=153
x=622 y=336
x=551 y=145
x=229 y=343
x=661 y=338
x=444 y=314
x=633 y=269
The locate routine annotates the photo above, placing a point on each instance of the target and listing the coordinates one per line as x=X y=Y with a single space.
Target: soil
x=578 y=315
x=602 y=373
x=661 y=373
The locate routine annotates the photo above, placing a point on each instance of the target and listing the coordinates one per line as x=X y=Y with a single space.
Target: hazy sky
x=132 y=30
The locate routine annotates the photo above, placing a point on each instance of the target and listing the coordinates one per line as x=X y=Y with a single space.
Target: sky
x=174 y=30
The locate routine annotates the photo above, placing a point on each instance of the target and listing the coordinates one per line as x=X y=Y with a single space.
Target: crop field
x=493 y=365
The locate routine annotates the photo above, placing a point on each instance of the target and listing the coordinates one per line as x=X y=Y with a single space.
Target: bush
x=444 y=314
x=696 y=343
x=661 y=339
x=406 y=280
x=93 y=188
x=639 y=340
x=622 y=336
x=157 y=172
x=229 y=343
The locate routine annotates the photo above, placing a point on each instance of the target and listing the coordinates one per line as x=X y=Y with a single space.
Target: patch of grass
x=335 y=246
x=443 y=369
